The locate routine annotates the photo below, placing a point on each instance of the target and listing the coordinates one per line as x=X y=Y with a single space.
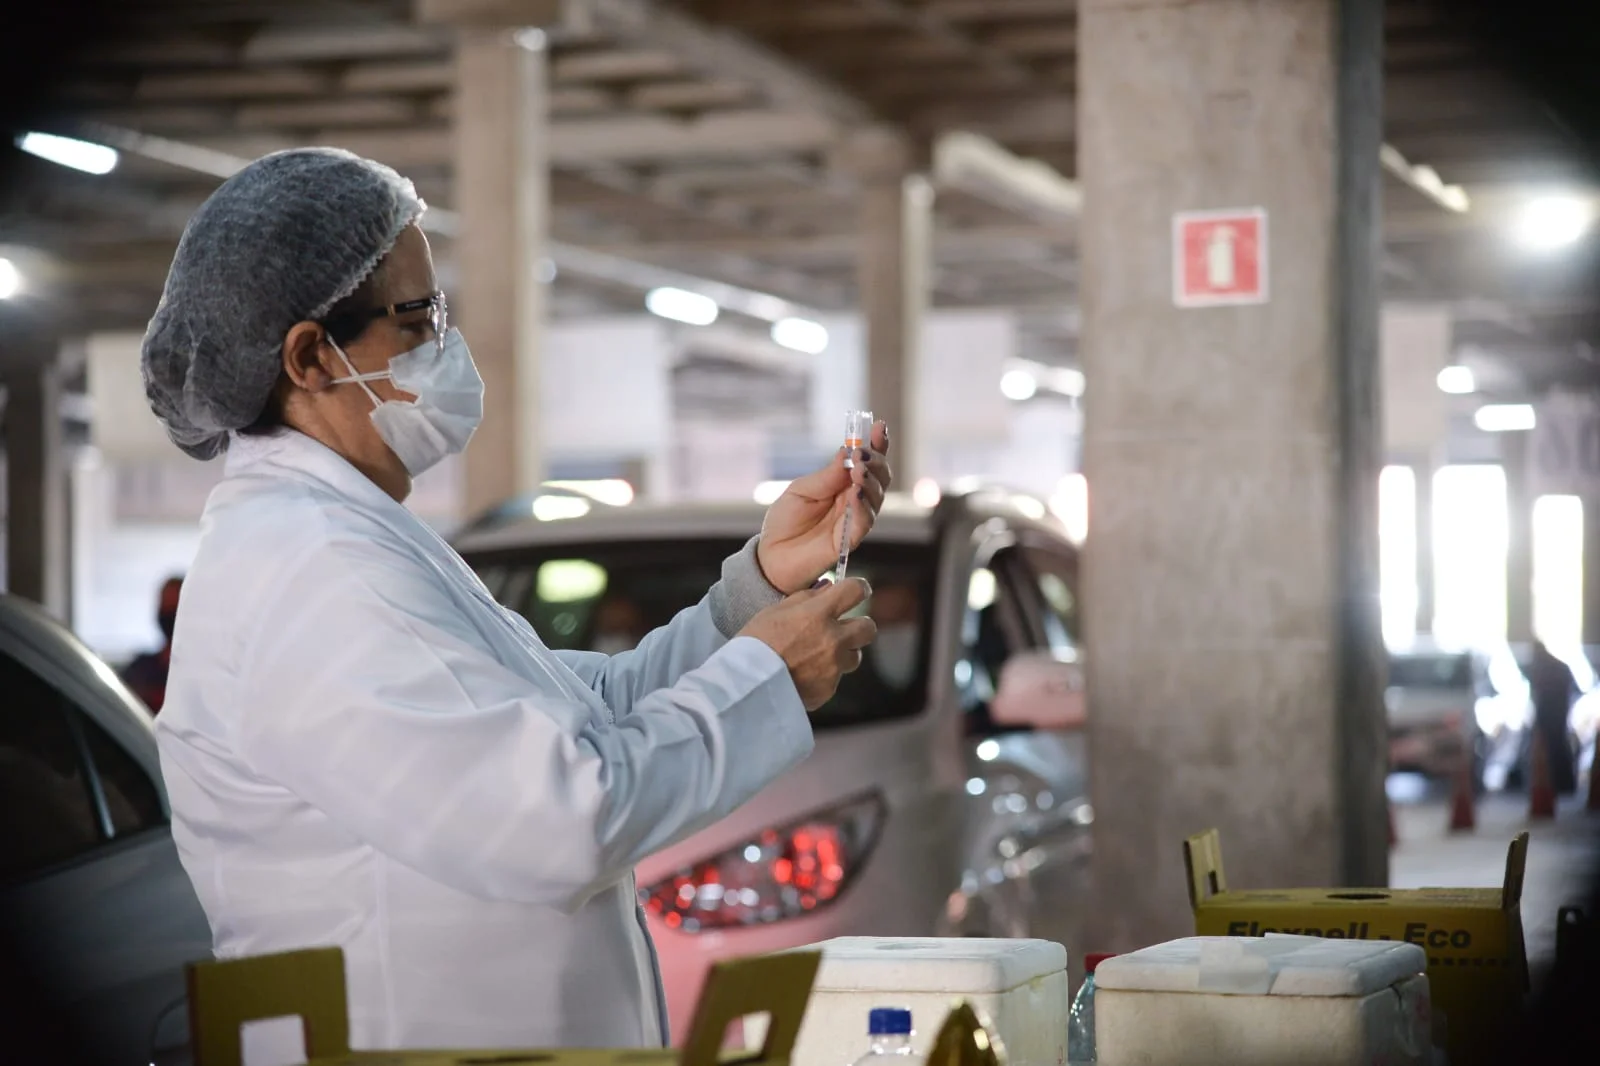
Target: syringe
x=857 y=427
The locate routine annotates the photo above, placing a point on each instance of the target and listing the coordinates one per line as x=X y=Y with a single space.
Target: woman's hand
x=801 y=533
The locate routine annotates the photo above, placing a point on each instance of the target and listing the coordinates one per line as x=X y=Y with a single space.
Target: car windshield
x=607 y=596
x=1431 y=671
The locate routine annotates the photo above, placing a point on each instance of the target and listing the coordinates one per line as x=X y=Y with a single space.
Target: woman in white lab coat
x=361 y=747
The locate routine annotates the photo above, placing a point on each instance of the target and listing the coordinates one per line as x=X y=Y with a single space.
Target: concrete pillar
x=38 y=549
x=1519 y=538
x=894 y=275
x=1232 y=453
x=502 y=194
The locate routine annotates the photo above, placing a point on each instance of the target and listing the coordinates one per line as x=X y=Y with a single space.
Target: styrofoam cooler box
x=1253 y=1001
x=1020 y=985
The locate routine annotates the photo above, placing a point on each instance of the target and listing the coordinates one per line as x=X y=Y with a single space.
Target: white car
x=96 y=913
x=947 y=794
x=1434 y=709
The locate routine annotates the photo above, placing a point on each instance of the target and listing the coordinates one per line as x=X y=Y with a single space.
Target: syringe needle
x=844 y=546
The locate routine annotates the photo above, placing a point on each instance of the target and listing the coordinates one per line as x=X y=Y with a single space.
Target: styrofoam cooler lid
x=1272 y=965
x=933 y=964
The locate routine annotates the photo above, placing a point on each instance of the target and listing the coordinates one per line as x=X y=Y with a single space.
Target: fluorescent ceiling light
x=1018 y=385
x=70 y=152
x=801 y=334
x=1552 y=222
x=1504 y=417
x=1457 y=380
x=681 y=305
x=10 y=279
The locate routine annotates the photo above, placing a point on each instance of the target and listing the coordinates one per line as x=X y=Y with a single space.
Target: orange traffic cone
x=1463 y=815
x=1541 y=796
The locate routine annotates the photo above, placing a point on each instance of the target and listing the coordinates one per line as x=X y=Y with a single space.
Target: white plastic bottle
x=889 y=1032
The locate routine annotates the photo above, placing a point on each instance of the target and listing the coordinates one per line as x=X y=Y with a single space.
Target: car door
x=96 y=906
x=1027 y=787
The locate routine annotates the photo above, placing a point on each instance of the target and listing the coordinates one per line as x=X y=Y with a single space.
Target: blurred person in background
x=897 y=611
x=147 y=674
x=619 y=626
x=362 y=748
x=1553 y=688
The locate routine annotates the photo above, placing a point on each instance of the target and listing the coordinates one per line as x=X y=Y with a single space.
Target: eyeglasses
x=434 y=304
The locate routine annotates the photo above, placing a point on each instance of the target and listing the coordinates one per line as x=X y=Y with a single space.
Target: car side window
x=1054 y=574
x=131 y=797
x=42 y=779
x=994 y=628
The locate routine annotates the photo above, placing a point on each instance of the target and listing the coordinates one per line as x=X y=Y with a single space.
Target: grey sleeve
x=742 y=592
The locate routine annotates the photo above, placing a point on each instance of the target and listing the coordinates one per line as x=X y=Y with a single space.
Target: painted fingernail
x=862 y=493
x=866 y=455
x=822 y=583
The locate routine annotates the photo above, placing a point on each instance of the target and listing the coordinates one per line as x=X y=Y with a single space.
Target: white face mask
x=894 y=654
x=448 y=406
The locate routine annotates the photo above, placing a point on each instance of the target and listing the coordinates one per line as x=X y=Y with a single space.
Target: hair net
x=280 y=242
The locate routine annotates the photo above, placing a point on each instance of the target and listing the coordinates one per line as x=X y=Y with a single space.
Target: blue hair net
x=280 y=242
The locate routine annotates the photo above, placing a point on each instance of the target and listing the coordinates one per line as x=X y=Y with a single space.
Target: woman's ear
x=305 y=357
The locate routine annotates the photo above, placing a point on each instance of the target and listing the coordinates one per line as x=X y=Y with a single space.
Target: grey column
x=893 y=274
x=1234 y=646
x=502 y=192
x=1519 y=538
x=38 y=549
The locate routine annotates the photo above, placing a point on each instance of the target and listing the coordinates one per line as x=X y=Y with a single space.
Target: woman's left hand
x=800 y=537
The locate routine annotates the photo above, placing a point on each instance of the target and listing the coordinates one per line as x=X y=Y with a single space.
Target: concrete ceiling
x=705 y=136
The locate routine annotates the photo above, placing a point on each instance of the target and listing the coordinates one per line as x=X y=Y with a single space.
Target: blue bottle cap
x=889 y=1021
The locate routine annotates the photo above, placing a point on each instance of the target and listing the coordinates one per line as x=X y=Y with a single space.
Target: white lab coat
x=363 y=748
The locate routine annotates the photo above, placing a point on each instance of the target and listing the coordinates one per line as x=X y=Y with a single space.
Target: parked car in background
x=1432 y=704
x=947 y=794
x=94 y=905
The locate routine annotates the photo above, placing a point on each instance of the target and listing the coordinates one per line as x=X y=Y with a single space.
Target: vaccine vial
x=857 y=425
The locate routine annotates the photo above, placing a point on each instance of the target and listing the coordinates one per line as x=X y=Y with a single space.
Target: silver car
x=96 y=914
x=947 y=794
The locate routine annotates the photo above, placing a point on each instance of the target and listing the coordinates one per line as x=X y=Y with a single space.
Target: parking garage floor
x=1560 y=855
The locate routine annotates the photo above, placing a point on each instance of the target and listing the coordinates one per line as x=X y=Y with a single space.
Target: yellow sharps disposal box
x=1477 y=962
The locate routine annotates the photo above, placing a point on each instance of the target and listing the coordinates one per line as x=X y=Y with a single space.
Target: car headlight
x=782 y=872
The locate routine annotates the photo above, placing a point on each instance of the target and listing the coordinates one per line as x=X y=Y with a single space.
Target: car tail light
x=780 y=873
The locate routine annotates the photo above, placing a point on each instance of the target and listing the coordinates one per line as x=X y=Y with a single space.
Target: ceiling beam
x=750 y=134
x=957 y=11
x=996 y=61
x=1036 y=41
x=842 y=245
x=233 y=84
x=1036 y=119
x=720 y=52
x=338 y=112
x=541 y=13
x=615 y=64
x=981 y=168
x=171 y=49
x=303 y=44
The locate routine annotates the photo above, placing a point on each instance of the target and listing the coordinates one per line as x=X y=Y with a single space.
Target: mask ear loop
x=359 y=379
